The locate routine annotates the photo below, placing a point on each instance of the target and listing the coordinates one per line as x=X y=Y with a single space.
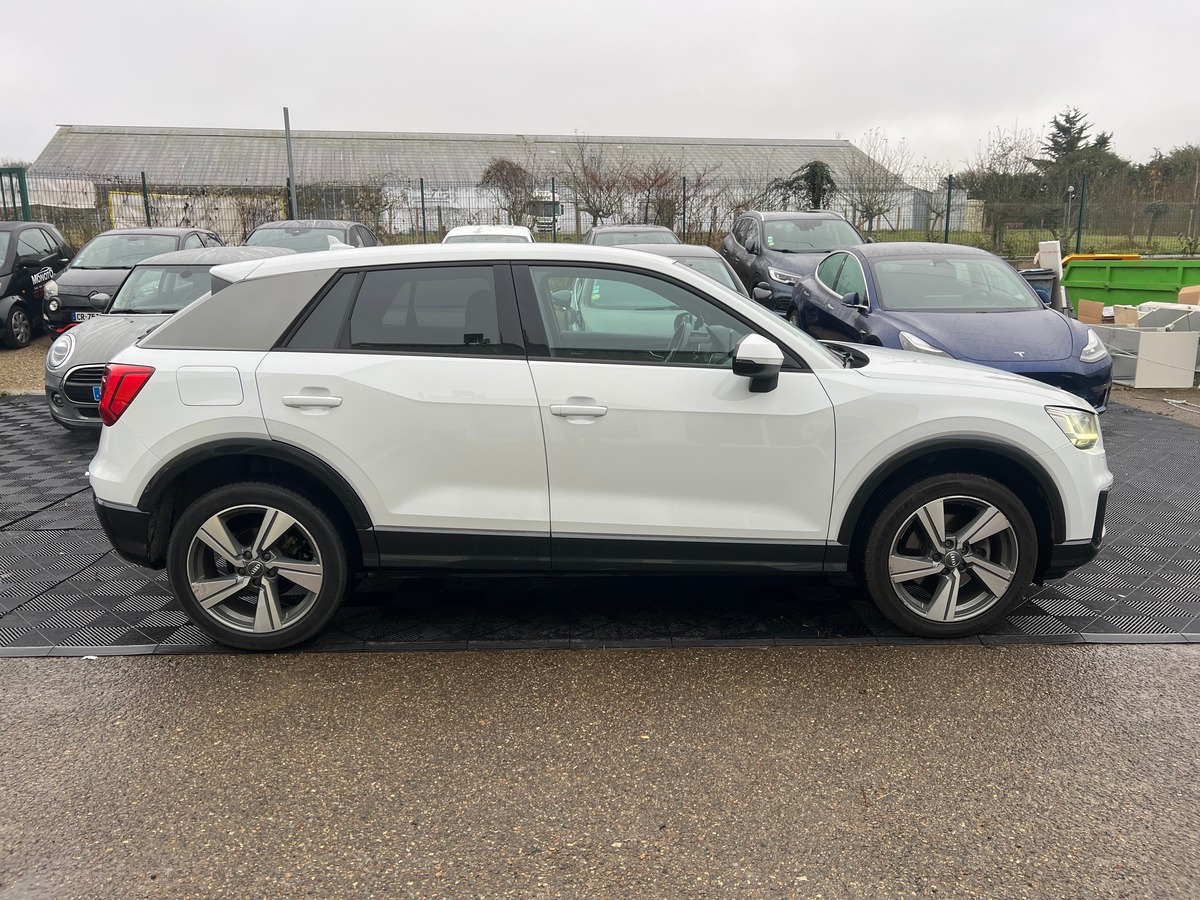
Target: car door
x=736 y=252
x=658 y=454
x=818 y=303
x=412 y=382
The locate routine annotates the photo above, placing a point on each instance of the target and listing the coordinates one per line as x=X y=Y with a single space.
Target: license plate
x=96 y=393
x=82 y=317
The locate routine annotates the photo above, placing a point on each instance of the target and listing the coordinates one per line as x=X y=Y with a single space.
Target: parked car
x=310 y=235
x=771 y=250
x=422 y=407
x=953 y=302
x=614 y=235
x=155 y=290
x=94 y=276
x=32 y=254
x=702 y=258
x=488 y=234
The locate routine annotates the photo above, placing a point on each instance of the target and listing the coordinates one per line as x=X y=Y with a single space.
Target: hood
x=100 y=339
x=990 y=337
x=81 y=282
x=921 y=367
x=800 y=263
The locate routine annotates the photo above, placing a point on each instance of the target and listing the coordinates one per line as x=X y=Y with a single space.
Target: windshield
x=804 y=235
x=485 y=239
x=122 y=251
x=713 y=268
x=302 y=240
x=613 y=238
x=952 y=285
x=161 y=289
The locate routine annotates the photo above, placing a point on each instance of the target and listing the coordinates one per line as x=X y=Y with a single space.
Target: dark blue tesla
x=950 y=301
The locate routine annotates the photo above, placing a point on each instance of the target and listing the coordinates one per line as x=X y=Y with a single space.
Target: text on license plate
x=81 y=317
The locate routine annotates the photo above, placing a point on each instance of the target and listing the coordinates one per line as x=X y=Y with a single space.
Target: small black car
x=770 y=251
x=31 y=256
x=97 y=273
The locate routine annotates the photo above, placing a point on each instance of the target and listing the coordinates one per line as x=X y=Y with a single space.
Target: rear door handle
x=570 y=409
x=301 y=401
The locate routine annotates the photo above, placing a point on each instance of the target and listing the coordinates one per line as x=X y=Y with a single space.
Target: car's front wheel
x=18 y=329
x=257 y=566
x=950 y=555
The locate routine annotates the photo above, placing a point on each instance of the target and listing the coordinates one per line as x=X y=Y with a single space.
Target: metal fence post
x=1082 y=203
x=553 y=211
x=146 y=201
x=685 y=209
x=949 y=197
x=424 y=235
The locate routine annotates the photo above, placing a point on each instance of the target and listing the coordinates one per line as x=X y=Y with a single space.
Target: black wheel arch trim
x=1015 y=455
x=261 y=447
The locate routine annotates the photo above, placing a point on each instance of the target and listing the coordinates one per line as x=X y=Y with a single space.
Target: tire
x=18 y=327
x=266 y=597
x=793 y=317
x=931 y=577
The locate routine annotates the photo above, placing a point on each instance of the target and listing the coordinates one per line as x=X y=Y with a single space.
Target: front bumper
x=1070 y=555
x=128 y=530
x=72 y=397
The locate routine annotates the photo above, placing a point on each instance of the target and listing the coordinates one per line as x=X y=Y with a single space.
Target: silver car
x=156 y=289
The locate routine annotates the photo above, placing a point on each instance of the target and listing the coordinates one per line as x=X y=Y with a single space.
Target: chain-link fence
x=1105 y=216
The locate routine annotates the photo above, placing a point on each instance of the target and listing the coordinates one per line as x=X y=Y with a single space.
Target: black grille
x=79 y=384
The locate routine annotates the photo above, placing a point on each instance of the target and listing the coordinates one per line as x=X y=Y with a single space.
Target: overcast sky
x=939 y=75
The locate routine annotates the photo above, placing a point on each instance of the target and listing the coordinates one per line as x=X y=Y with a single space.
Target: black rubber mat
x=63 y=592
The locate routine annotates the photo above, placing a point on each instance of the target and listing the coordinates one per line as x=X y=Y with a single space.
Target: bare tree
x=1002 y=176
x=656 y=186
x=874 y=181
x=599 y=178
x=512 y=184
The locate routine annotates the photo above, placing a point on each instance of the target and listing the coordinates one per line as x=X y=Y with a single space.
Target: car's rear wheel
x=950 y=555
x=793 y=317
x=257 y=566
x=18 y=329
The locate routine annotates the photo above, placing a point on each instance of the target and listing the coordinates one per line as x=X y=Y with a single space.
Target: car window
x=211 y=240
x=33 y=241
x=851 y=279
x=365 y=238
x=444 y=310
x=352 y=238
x=192 y=242
x=827 y=271
x=161 y=289
x=612 y=315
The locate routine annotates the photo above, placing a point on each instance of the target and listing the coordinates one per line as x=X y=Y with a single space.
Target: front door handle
x=301 y=401
x=571 y=409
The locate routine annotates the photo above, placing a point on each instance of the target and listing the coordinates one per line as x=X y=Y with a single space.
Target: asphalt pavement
x=952 y=771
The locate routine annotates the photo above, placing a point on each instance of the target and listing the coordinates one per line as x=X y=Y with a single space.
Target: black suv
x=31 y=256
x=97 y=273
x=771 y=250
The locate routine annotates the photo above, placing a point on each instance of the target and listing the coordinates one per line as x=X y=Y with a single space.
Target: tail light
x=118 y=387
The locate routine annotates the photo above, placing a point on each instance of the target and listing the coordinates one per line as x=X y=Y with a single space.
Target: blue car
x=950 y=301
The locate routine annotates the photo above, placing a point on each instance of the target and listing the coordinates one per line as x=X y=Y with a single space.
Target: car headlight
x=60 y=351
x=1095 y=349
x=52 y=304
x=915 y=344
x=50 y=289
x=784 y=277
x=1082 y=428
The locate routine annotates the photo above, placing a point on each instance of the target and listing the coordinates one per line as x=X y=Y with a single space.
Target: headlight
x=50 y=289
x=53 y=304
x=914 y=343
x=1081 y=428
x=60 y=351
x=784 y=277
x=1095 y=349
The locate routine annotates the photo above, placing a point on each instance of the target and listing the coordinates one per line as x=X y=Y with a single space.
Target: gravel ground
x=22 y=372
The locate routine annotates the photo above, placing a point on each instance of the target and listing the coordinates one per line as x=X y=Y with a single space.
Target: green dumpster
x=1128 y=282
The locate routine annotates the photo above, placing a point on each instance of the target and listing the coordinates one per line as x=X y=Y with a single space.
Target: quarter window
x=610 y=315
x=192 y=242
x=852 y=280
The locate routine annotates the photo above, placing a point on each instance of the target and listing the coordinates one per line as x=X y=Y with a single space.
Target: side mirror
x=760 y=360
x=852 y=299
x=561 y=299
x=752 y=246
x=763 y=292
x=98 y=300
